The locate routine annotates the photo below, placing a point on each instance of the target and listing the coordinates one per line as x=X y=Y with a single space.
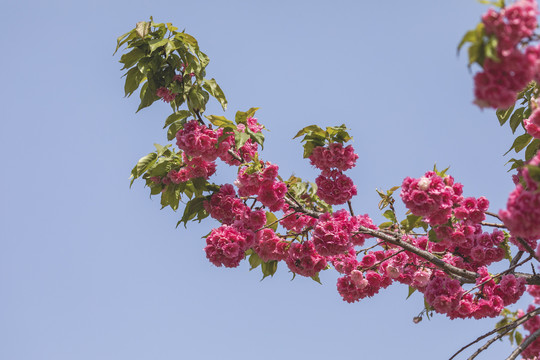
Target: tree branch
x=524 y=345
x=510 y=326
x=468 y=276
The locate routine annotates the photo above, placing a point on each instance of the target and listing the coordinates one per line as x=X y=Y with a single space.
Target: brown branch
x=527 y=247
x=236 y=157
x=510 y=326
x=498 y=275
x=493 y=225
x=493 y=214
x=350 y=207
x=524 y=345
x=465 y=275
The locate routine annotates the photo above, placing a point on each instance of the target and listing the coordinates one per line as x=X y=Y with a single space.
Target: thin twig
x=275 y=222
x=489 y=342
x=510 y=326
x=524 y=345
x=527 y=247
x=350 y=207
x=493 y=214
x=493 y=225
x=498 y=275
x=516 y=258
x=383 y=260
x=466 y=275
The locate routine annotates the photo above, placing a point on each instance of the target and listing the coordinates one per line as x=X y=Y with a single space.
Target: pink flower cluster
x=248 y=150
x=431 y=196
x=198 y=140
x=304 y=260
x=269 y=190
x=334 y=233
x=500 y=81
x=511 y=24
x=532 y=124
x=296 y=222
x=334 y=156
x=227 y=208
x=522 y=213
x=270 y=247
x=359 y=285
x=334 y=187
x=165 y=94
x=447 y=296
x=193 y=168
x=226 y=245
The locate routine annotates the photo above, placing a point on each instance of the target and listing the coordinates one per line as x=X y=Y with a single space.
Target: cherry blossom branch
x=509 y=270
x=467 y=276
x=350 y=207
x=514 y=324
x=275 y=222
x=524 y=345
x=383 y=260
x=493 y=225
x=493 y=214
x=527 y=247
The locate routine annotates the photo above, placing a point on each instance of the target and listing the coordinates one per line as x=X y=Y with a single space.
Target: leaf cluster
x=315 y=136
x=157 y=53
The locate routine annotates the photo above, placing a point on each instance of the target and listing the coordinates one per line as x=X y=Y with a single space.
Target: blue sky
x=90 y=269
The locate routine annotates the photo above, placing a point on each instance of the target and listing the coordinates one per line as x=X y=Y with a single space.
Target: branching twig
x=350 y=207
x=509 y=270
x=493 y=225
x=493 y=214
x=510 y=326
x=527 y=247
x=468 y=276
x=524 y=345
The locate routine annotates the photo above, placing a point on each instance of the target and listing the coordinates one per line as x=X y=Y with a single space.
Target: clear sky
x=90 y=269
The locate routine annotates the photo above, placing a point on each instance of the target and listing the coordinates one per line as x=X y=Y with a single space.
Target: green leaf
x=271 y=218
x=534 y=172
x=254 y=260
x=520 y=142
x=308 y=129
x=132 y=57
x=143 y=164
x=385 y=225
x=133 y=79
x=240 y=138
x=519 y=337
x=316 y=278
x=269 y=268
x=389 y=214
x=432 y=236
x=532 y=149
x=504 y=114
x=156 y=43
x=507 y=251
x=173 y=129
x=257 y=137
x=220 y=121
x=241 y=116
x=147 y=97
x=177 y=116
x=213 y=88
x=516 y=119
x=411 y=291
x=194 y=208
x=170 y=197
x=470 y=36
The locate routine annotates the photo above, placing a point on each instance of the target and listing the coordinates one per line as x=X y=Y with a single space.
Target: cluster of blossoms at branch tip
x=522 y=213
x=264 y=184
x=499 y=82
x=334 y=187
x=532 y=124
x=431 y=196
x=248 y=150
